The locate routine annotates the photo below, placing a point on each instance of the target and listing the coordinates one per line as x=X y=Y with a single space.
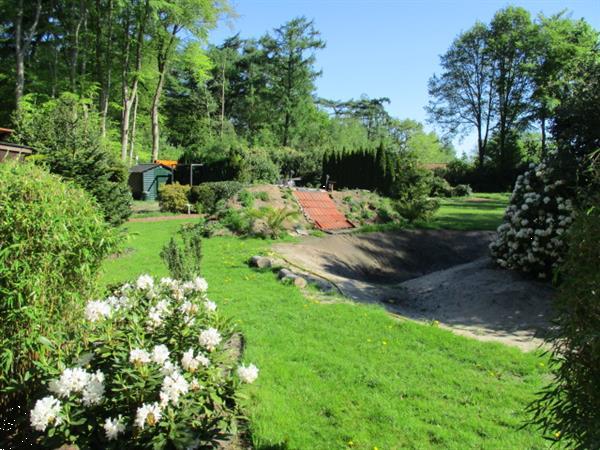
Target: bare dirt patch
x=432 y=275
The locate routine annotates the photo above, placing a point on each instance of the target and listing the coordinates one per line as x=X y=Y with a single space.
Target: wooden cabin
x=9 y=150
x=145 y=179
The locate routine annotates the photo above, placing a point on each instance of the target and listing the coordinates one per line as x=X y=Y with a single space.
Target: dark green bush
x=67 y=136
x=440 y=187
x=258 y=167
x=410 y=191
x=52 y=242
x=173 y=197
x=208 y=195
x=569 y=408
x=461 y=190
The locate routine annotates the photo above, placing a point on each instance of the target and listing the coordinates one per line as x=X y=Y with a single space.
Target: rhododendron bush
x=531 y=239
x=159 y=370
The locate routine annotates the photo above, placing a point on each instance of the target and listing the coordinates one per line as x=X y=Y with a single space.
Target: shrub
x=173 y=197
x=246 y=199
x=257 y=167
x=52 y=242
x=531 y=239
x=440 y=187
x=208 y=195
x=410 y=191
x=67 y=136
x=156 y=372
x=462 y=190
x=263 y=196
x=274 y=220
x=239 y=221
x=183 y=261
x=569 y=408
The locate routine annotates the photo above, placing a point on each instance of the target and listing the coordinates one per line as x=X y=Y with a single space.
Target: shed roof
x=140 y=168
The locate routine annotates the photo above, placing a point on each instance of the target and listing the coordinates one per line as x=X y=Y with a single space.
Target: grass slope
x=344 y=375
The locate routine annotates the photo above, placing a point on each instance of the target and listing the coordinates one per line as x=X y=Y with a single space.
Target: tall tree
x=511 y=42
x=463 y=95
x=24 y=34
x=195 y=17
x=290 y=56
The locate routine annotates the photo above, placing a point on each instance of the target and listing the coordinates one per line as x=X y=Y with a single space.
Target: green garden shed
x=145 y=179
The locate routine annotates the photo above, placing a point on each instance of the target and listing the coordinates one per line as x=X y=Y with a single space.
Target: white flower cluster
x=248 y=374
x=540 y=211
x=180 y=370
x=79 y=381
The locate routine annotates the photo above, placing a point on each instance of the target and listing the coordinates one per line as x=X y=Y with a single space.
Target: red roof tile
x=319 y=207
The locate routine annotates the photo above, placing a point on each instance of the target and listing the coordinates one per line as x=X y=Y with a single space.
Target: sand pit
x=432 y=275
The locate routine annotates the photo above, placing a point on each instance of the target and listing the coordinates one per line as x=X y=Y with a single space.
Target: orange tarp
x=319 y=207
x=166 y=162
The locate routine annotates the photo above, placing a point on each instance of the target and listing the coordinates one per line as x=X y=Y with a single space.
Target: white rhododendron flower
x=210 y=338
x=148 y=414
x=71 y=381
x=248 y=374
x=45 y=412
x=191 y=363
x=173 y=387
x=168 y=368
x=200 y=284
x=94 y=389
x=139 y=356
x=160 y=354
x=145 y=282
x=97 y=310
x=113 y=427
x=210 y=306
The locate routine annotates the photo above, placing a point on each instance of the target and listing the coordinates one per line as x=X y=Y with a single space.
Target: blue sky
x=384 y=48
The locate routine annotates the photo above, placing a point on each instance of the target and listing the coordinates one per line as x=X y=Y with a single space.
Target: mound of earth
x=432 y=275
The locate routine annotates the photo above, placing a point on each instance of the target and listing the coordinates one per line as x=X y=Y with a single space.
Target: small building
x=9 y=150
x=145 y=179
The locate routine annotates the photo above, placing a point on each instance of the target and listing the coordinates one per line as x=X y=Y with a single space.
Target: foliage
x=239 y=221
x=501 y=79
x=66 y=135
x=462 y=190
x=531 y=239
x=410 y=190
x=246 y=198
x=157 y=371
x=257 y=167
x=440 y=187
x=183 y=260
x=568 y=410
x=274 y=219
x=263 y=196
x=173 y=197
x=52 y=243
x=300 y=405
x=208 y=195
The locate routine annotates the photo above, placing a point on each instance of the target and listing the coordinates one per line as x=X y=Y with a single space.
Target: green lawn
x=343 y=375
x=477 y=212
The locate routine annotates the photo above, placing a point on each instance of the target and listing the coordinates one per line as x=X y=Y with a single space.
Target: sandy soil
x=432 y=275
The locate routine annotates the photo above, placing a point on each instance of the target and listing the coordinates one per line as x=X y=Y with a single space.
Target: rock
x=300 y=282
x=285 y=273
x=261 y=262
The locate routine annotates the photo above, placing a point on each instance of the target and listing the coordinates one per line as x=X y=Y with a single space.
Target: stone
x=300 y=282
x=261 y=262
x=285 y=273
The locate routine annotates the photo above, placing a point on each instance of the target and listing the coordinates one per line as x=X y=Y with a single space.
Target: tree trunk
x=22 y=44
x=543 y=127
x=222 y=96
x=154 y=114
x=163 y=59
x=133 y=128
